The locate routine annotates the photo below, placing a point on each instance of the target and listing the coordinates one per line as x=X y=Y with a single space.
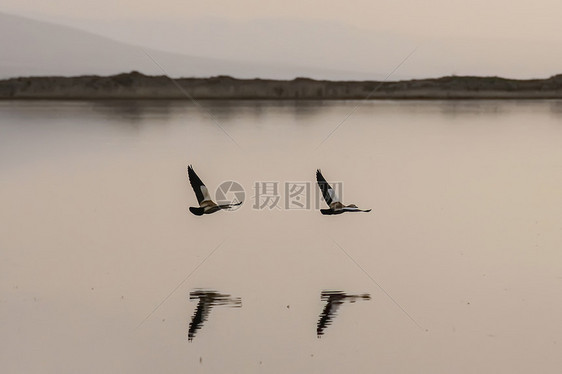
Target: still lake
x=461 y=255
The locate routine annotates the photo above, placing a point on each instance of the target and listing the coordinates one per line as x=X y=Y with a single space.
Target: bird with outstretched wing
x=333 y=201
x=206 y=203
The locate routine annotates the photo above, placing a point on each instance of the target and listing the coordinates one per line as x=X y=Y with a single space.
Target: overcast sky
x=526 y=19
x=510 y=38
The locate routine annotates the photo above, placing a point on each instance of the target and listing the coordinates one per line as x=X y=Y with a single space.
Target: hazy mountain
x=322 y=44
x=32 y=48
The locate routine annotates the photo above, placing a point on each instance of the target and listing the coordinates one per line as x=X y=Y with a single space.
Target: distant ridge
x=135 y=85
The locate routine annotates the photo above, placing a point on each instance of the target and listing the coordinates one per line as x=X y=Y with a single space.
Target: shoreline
x=137 y=86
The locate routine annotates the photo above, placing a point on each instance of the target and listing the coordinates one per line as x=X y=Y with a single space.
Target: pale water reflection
x=465 y=235
x=333 y=300
x=206 y=300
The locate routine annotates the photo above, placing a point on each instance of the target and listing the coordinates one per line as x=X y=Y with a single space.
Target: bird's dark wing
x=197 y=184
x=324 y=187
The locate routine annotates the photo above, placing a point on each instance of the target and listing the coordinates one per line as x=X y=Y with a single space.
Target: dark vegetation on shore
x=135 y=85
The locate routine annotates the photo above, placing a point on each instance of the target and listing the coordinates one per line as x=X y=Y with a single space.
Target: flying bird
x=333 y=201
x=333 y=301
x=206 y=204
x=208 y=299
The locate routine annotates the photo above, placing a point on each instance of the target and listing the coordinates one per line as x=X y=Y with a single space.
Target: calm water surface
x=103 y=268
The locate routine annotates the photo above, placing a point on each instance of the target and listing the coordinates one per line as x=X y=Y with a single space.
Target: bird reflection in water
x=207 y=300
x=333 y=301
